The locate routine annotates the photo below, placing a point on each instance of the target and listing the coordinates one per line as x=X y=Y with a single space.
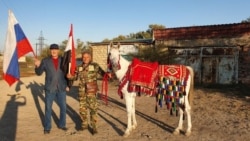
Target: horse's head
x=114 y=55
x=114 y=52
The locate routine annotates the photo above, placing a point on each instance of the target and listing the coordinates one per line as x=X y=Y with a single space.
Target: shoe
x=63 y=128
x=46 y=131
x=94 y=131
x=82 y=128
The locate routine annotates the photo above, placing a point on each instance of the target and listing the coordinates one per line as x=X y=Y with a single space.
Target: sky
x=96 y=20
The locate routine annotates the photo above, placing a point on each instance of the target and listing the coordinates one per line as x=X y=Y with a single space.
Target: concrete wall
x=244 y=65
x=242 y=44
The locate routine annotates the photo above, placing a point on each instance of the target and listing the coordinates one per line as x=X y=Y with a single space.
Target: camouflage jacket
x=87 y=76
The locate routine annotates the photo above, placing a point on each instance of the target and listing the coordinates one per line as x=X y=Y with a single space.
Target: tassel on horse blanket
x=170 y=90
x=105 y=88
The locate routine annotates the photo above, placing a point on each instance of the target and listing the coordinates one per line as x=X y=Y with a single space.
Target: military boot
x=94 y=129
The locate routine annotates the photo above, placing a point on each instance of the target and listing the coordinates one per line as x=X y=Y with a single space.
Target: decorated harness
x=166 y=82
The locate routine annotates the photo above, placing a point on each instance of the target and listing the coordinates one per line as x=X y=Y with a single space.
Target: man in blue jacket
x=55 y=86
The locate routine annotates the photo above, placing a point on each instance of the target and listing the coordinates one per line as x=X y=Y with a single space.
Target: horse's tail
x=191 y=90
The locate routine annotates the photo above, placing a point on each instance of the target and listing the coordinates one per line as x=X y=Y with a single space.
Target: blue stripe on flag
x=19 y=33
x=13 y=68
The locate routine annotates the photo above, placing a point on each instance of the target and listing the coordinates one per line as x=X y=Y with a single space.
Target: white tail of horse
x=120 y=67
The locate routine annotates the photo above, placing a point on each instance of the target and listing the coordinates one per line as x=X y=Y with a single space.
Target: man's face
x=54 y=53
x=86 y=58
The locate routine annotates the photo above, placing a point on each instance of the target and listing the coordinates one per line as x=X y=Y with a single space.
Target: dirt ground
x=220 y=114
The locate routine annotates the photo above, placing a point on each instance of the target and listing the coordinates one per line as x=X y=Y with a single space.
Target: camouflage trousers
x=88 y=103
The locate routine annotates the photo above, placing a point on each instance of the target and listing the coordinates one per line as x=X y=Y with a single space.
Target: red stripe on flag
x=23 y=47
x=73 y=55
x=10 y=79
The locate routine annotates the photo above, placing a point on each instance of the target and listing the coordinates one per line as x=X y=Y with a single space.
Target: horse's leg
x=134 y=124
x=189 y=124
x=189 y=101
x=186 y=108
x=180 y=125
x=128 y=101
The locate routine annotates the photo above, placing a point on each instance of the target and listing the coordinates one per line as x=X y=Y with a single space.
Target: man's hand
x=109 y=75
x=69 y=75
x=37 y=62
x=67 y=89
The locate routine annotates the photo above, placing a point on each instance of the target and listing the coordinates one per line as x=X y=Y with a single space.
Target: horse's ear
x=118 y=45
x=111 y=44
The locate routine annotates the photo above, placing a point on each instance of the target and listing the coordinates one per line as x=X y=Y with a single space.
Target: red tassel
x=105 y=88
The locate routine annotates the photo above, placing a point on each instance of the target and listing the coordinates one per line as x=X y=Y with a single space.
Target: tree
x=148 y=34
x=246 y=21
x=44 y=52
x=106 y=40
x=119 y=38
x=157 y=53
x=79 y=46
x=154 y=26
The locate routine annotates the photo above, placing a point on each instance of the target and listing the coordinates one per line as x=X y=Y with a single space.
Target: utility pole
x=40 y=43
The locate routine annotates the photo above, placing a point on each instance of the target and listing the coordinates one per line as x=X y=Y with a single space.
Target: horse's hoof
x=188 y=133
x=176 y=132
x=134 y=126
x=126 y=134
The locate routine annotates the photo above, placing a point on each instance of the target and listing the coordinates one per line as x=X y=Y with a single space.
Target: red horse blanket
x=171 y=86
x=174 y=71
x=142 y=76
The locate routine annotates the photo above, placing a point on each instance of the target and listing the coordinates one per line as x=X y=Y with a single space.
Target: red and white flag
x=16 y=46
x=69 y=57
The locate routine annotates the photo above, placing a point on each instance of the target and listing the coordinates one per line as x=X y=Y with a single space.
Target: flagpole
x=69 y=68
x=34 y=54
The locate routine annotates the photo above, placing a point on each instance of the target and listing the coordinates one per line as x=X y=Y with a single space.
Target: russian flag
x=69 y=57
x=16 y=45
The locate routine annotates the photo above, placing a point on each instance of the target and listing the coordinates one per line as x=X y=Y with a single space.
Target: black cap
x=54 y=46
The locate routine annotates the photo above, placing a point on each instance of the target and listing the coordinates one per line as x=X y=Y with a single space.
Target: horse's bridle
x=111 y=66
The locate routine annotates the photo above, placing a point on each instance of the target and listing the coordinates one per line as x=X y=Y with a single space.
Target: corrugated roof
x=203 y=32
x=131 y=41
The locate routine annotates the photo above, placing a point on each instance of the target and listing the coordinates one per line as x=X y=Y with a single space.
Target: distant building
x=100 y=49
x=22 y=59
x=218 y=53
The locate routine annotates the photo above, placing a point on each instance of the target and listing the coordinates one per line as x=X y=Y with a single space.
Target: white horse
x=120 y=67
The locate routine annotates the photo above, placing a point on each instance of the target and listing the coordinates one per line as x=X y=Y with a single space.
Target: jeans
x=61 y=100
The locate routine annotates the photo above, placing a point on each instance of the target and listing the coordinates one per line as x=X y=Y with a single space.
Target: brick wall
x=100 y=55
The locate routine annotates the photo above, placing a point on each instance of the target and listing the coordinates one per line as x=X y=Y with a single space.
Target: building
x=100 y=49
x=218 y=53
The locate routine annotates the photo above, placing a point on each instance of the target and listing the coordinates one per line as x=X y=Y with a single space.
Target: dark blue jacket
x=55 y=80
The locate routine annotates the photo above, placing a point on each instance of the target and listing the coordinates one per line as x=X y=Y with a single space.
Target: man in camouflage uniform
x=87 y=74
